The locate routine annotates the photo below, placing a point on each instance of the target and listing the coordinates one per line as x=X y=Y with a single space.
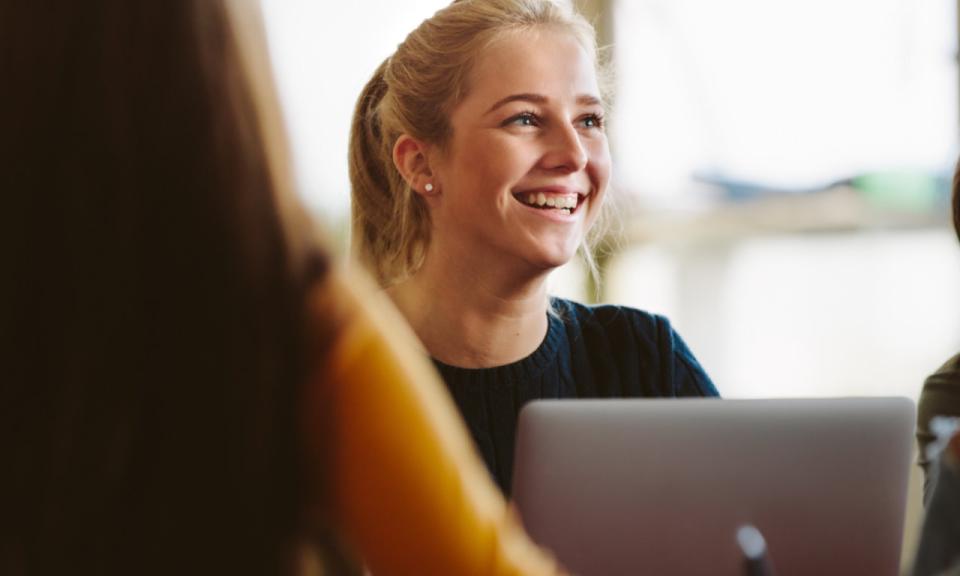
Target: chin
x=549 y=260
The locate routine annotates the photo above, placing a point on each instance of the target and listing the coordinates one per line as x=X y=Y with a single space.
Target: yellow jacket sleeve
x=405 y=488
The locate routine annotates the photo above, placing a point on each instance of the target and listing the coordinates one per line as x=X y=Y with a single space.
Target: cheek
x=477 y=163
x=500 y=164
x=596 y=208
x=599 y=169
x=599 y=166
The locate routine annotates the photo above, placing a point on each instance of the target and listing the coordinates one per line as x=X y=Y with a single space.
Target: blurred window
x=789 y=93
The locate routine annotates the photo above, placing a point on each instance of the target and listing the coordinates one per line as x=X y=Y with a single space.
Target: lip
x=564 y=190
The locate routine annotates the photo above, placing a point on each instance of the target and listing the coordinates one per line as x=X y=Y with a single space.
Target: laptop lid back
x=661 y=486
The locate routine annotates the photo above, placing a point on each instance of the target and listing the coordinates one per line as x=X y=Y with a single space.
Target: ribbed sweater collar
x=508 y=375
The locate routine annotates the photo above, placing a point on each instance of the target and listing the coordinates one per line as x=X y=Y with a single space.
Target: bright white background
x=791 y=92
x=324 y=52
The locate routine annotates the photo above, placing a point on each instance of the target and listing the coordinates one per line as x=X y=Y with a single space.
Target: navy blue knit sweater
x=588 y=352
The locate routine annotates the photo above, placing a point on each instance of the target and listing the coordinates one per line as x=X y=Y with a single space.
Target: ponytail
x=390 y=223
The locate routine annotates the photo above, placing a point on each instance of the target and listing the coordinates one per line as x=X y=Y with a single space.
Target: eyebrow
x=583 y=100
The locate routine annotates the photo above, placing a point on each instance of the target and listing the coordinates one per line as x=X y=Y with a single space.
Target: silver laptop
x=660 y=487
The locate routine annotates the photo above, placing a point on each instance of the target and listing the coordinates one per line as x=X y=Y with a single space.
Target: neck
x=471 y=317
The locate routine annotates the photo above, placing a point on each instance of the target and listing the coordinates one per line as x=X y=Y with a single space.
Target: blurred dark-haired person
x=941 y=390
x=938 y=553
x=189 y=385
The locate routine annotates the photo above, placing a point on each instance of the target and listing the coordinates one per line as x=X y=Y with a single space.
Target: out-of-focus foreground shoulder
x=403 y=485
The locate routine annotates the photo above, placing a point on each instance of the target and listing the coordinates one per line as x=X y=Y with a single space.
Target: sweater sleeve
x=406 y=491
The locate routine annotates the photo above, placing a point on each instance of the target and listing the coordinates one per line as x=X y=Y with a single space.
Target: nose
x=566 y=151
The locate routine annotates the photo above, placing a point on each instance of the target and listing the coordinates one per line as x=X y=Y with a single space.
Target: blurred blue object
x=909 y=190
x=738 y=189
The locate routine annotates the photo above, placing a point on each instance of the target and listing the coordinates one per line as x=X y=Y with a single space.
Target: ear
x=411 y=159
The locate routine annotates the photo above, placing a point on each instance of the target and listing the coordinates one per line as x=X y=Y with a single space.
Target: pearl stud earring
x=428 y=187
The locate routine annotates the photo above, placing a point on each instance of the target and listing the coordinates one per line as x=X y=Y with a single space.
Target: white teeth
x=566 y=204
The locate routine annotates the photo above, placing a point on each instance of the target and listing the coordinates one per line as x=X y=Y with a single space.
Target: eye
x=523 y=119
x=592 y=121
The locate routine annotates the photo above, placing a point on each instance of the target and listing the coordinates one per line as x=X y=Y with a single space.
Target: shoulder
x=638 y=342
x=615 y=320
x=949 y=369
x=945 y=382
x=941 y=390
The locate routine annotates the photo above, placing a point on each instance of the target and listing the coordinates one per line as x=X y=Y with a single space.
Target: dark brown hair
x=151 y=311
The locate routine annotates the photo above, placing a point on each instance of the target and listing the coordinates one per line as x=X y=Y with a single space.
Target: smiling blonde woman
x=479 y=163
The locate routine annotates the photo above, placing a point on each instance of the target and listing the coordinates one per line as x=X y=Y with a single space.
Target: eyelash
x=597 y=119
x=526 y=114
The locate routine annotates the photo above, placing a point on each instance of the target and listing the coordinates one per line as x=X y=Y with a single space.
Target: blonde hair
x=413 y=92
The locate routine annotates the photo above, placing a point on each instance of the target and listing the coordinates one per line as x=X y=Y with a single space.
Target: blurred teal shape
x=905 y=190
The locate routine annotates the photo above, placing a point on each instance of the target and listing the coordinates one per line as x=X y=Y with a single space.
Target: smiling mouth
x=563 y=203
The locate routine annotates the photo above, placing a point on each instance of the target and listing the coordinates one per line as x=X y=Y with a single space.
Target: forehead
x=549 y=62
